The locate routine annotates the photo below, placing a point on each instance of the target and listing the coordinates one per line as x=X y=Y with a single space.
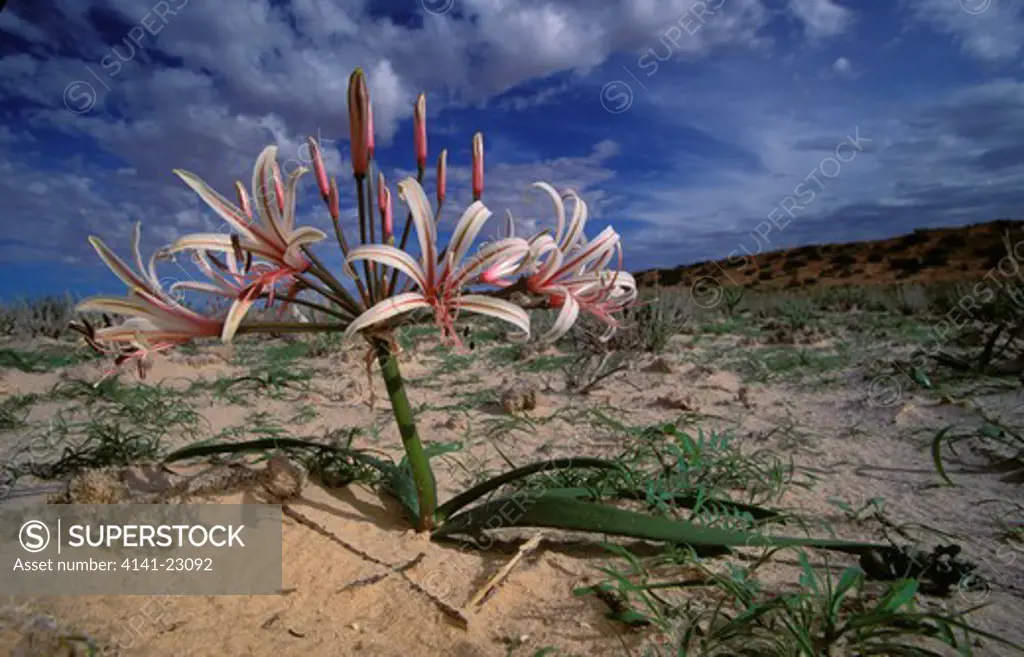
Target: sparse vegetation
x=689 y=413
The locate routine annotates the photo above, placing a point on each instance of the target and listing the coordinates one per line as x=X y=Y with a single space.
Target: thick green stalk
x=423 y=477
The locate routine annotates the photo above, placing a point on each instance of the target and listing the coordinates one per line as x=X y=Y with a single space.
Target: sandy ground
x=857 y=439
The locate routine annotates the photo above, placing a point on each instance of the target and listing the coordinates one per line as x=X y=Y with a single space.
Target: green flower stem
x=371 y=220
x=338 y=293
x=364 y=223
x=316 y=306
x=343 y=243
x=423 y=477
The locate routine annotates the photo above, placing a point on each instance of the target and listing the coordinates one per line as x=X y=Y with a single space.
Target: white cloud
x=273 y=72
x=989 y=30
x=840 y=68
x=822 y=18
x=928 y=165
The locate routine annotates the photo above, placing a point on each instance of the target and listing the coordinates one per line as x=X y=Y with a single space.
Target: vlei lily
x=274 y=238
x=440 y=287
x=571 y=272
x=156 y=322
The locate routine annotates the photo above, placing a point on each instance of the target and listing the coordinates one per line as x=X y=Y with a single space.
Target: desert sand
x=825 y=399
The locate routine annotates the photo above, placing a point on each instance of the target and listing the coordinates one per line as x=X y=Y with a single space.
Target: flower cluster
x=266 y=256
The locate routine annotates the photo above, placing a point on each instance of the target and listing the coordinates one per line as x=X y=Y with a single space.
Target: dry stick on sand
x=446 y=609
x=492 y=584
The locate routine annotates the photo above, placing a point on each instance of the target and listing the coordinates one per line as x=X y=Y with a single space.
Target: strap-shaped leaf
x=560 y=512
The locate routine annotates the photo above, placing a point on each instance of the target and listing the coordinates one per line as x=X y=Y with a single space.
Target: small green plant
x=14 y=411
x=872 y=506
x=42 y=360
x=735 y=614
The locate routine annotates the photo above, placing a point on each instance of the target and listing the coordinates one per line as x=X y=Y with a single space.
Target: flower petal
x=299 y=238
x=603 y=243
x=541 y=246
x=203 y=262
x=265 y=192
x=307 y=235
x=133 y=307
x=412 y=194
x=118 y=266
x=506 y=311
x=136 y=243
x=227 y=210
x=466 y=230
x=219 y=243
x=116 y=305
x=389 y=256
x=566 y=318
x=139 y=334
x=206 y=288
x=576 y=223
x=290 y=193
x=499 y=258
x=235 y=316
x=386 y=309
x=556 y=200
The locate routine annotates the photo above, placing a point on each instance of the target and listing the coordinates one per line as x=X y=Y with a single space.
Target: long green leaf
x=900 y=594
x=850 y=577
x=476 y=492
x=937 y=453
x=683 y=500
x=264 y=444
x=402 y=485
x=566 y=513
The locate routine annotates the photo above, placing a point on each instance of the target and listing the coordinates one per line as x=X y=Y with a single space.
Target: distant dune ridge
x=931 y=255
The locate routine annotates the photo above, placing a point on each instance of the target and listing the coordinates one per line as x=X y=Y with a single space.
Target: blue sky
x=695 y=128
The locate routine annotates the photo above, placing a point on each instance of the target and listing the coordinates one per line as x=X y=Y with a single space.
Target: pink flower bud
x=358 y=104
x=420 y=130
x=333 y=204
x=386 y=216
x=318 y=169
x=478 y=166
x=370 y=144
x=243 y=200
x=278 y=188
x=442 y=175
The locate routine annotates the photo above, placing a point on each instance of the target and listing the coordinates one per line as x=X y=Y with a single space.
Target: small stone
x=521 y=396
x=95 y=486
x=284 y=480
